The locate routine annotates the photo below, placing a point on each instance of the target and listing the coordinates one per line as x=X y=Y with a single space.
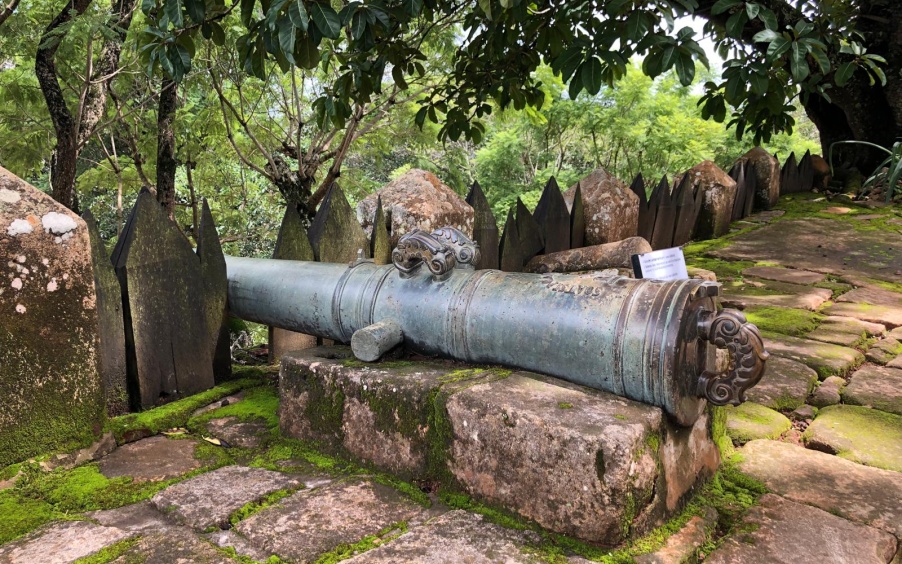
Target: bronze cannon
x=646 y=340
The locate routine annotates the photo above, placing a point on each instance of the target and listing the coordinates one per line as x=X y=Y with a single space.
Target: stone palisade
x=51 y=391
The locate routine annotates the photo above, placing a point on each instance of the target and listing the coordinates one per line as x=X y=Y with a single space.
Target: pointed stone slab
x=878 y=387
x=866 y=495
x=511 y=254
x=785 y=384
x=779 y=531
x=781 y=274
x=553 y=218
x=531 y=240
x=665 y=218
x=647 y=210
x=806 y=173
x=168 y=342
x=789 y=176
x=577 y=220
x=456 y=536
x=335 y=234
x=380 y=243
x=688 y=205
x=210 y=499
x=110 y=323
x=826 y=359
x=859 y=434
x=61 y=542
x=292 y=243
x=216 y=287
x=485 y=228
x=311 y=522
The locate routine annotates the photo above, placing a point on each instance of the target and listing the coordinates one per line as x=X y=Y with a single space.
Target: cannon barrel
x=646 y=340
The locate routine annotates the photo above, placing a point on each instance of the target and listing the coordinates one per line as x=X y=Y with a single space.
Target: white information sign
x=665 y=264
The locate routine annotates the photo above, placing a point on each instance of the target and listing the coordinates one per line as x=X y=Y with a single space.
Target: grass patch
x=724 y=269
x=785 y=321
x=261 y=403
x=109 y=553
x=177 y=413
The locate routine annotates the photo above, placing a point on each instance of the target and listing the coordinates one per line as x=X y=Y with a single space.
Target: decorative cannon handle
x=729 y=329
x=417 y=248
x=466 y=251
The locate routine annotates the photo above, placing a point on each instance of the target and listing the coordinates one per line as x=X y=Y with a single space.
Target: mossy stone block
x=825 y=358
x=785 y=384
x=51 y=391
x=864 y=435
x=876 y=386
x=750 y=421
x=335 y=234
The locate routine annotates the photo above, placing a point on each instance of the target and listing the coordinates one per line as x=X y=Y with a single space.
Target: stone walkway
x=822 y=433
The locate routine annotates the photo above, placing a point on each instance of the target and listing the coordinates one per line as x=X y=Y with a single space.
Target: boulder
x=611 y=208
x=51 y=391
x=717 y=191
x=767 y=174
x=822 y=175
x=417 y=200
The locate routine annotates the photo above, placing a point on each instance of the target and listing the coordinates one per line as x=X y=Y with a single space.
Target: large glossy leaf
x=325 y=19
x=173 y=10
x=297 y=12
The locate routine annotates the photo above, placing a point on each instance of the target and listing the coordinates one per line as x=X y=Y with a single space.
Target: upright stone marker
x=380 y=243
x=335 y=234
x=806 y=173
x=291 y=244
x=485 y=228
x=612 y=210
x=51 y=392
x=665 y=219
x=553 y=218
x=216 y=287
x=687 y=198
x=577 y=219
x=110 y=323
x=511 y=255
x=531 y=241
x=166 y=332
x=767 y=177
x=717 y=192
x=790 y=182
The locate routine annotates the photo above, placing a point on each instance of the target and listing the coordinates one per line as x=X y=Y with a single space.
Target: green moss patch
x=750 y=421
x=724 y=269
x=177 y=413
x=786 y=321
x=859 y=434
x=345 y=551
x=20 y=515
x=253 y=507
x=261 y=403
x=109 y=553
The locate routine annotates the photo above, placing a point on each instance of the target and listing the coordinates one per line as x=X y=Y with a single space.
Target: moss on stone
x=345 y=551
x=325 y=407
x=860 y=434
x=786 y=321
x=252 y=507
x=565 y=405
x=19 y=514
x=258 y=404
x=177 y=413
x=109 y=553
x=724 y=269
x=750 y=421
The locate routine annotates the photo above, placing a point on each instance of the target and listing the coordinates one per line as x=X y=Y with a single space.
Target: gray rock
x=611 y=208
x=596 y=257
x=312 y=522
x=860 y=434
x=877 y=387
x=97 y=450
x=883 y=314
x=60 y=543
x=718 y=191
x=826 y=359
x=209 y=499
x=873 y=295
x=803 y=413
x=231 y=539
x=50 y=378
x=828 y=392
x=884 y=351
x=750 y=421
x=785 y=384
x=417 y=200
x=173 y=545
x=767 y=175
x=335 y=234
x=215 y=290
x=781 y=274
x=845 y=331
x=244 y=434
x=859 y=493
x=782 y=531
x=454 y=537
x=138 y=518
x=152 y=459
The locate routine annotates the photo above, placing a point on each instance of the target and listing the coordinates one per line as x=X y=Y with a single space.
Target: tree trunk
x=166 y=163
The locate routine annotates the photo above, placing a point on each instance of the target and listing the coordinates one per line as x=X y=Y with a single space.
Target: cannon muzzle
x=646 y=340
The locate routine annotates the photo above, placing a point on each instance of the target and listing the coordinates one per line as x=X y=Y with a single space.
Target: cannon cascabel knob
x=729 y=329
x=466 y=251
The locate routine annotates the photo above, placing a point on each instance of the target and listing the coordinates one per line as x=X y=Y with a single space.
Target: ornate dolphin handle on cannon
x=646 y=340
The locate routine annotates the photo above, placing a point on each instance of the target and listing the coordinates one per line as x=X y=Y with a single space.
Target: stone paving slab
x=873 y=295
x=781 y=274
x=209 y=499
x=825 y=358
x=681 y=546
x=456 y=536
x=312 y=522
x=884 y=351
x=750 y=421
x=786 y=532
x=136 y=518
x=870 y=496
x=860 y=434
x=781 y=294
x=60 y=543
x=152 y=459
x=241 y=546
x=876 y=386
x=828 y=392
x=820 y=245
x=244 y=434
x=886 y=315
x=174 y=545
x=845 y=331
x=785 y=384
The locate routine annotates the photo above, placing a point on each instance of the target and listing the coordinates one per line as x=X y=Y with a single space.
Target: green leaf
x=486 y=7
x=735 y=23
x=325 y=19
x=722 y=6
x=766 y=36
x=306 y=53
x=759 y=83
x=247 y=12
x=197 y=10
x=685 y=67
x=398 y=75
x=778 y=47
x=798 y=64
x=173 y=10
x=413 y=7
x=752 y=9
x=590 y=75
x=823 y=62
x=218 y=34
x=568 y=61
x=298 y=15
x=287 y=34
x=769 y=18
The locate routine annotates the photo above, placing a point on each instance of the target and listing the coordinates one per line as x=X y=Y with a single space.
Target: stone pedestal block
x=574 y=460
x=51 y=391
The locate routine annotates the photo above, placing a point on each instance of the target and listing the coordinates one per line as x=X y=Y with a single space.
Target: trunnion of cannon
x=646 y=340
